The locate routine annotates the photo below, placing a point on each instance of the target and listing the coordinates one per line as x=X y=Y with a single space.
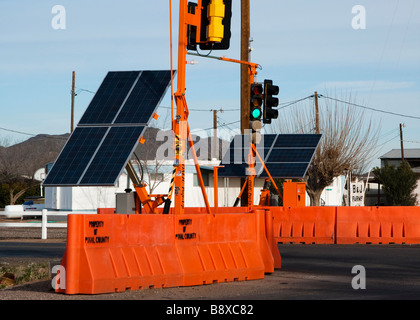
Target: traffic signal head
x=256 y=102
x=270 y=102
x=216 y=16
x=255 y=112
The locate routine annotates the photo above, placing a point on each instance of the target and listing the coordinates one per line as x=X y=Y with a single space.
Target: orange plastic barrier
x=105 y=211
x=117 y=252
x=378 y=225
x=304 y=224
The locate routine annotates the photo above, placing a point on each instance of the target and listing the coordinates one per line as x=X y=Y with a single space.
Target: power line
x=370 y=108
x=290 y=103
x=223 y=125
x=411 y=141
x=20 y=132
x=83 y=90
x=208 y=110
x=384 y=143
x=31 y=134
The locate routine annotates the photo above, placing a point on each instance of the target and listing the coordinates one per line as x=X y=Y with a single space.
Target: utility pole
x=317 y=130
x=402 y=143
x=215 y=144
x=72 y=102
x=245 y=80
x=316 y=114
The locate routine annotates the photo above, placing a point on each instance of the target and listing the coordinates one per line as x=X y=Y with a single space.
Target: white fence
x=44 y=221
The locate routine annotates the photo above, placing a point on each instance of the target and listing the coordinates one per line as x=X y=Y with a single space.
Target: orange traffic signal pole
x=251 y=156
x=180 y=123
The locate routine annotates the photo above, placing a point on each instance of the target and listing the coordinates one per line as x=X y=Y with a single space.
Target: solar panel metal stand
x=143 y=198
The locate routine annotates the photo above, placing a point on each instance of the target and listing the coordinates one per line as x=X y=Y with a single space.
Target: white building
x=333 y=194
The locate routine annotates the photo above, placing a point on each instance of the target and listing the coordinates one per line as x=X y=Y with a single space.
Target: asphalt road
x=309 y=272
x=33 y=249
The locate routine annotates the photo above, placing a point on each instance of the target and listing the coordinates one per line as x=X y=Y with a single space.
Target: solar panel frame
x=106 y=158
x=75 y=154
x=288 y=156
x=152 y=90
x=103 y=109
x=112 y=156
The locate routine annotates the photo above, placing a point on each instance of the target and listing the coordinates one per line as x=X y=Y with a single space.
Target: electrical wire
x=20 y=132
x=82 y=90
x=384 y=48
x=290 y=103
x=226 y=124
x=370 y=108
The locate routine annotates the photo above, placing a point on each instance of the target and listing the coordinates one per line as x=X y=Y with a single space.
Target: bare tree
x=150 y=166
x=14 y=174
x=348 y=142
x=20 y=161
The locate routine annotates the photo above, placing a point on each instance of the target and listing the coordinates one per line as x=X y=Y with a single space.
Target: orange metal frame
x=180 y=124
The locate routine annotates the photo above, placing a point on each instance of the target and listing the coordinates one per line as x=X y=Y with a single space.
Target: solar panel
x=109 y=98
x=285 y=156
x=147 y=93
x=109 y=130
x=74 y=158
x=112 y=156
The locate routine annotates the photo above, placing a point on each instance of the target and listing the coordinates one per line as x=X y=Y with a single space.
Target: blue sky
x=303 y=46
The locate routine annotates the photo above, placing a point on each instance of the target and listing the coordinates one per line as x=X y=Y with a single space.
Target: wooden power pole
x=72 y=102
x=402 y=142
x=215 y=140
x=316 y=114
x=245 y=80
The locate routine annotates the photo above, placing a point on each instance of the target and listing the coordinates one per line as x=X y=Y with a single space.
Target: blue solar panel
x=75 y=156
x=290 y=155
x=109 y=130
x=285 y=170
x=285 y=156
x=297 y=141
x=145 y=97
x=112 y=156
x=109 y=98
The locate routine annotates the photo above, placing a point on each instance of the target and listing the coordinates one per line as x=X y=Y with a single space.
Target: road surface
x=309 y=272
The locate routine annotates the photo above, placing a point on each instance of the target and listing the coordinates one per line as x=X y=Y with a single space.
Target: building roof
x=396 y=154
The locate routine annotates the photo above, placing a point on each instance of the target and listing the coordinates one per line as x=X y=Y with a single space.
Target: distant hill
x=28 y=156
x=32 y=154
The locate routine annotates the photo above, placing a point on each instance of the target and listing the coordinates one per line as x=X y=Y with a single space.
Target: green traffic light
x=256 y=113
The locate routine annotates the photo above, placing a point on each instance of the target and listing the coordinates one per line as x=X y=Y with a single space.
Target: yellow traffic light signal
x=215 y=15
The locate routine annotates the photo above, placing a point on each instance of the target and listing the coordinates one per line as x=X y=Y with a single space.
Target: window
x=205 y=174
x=156 y=176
